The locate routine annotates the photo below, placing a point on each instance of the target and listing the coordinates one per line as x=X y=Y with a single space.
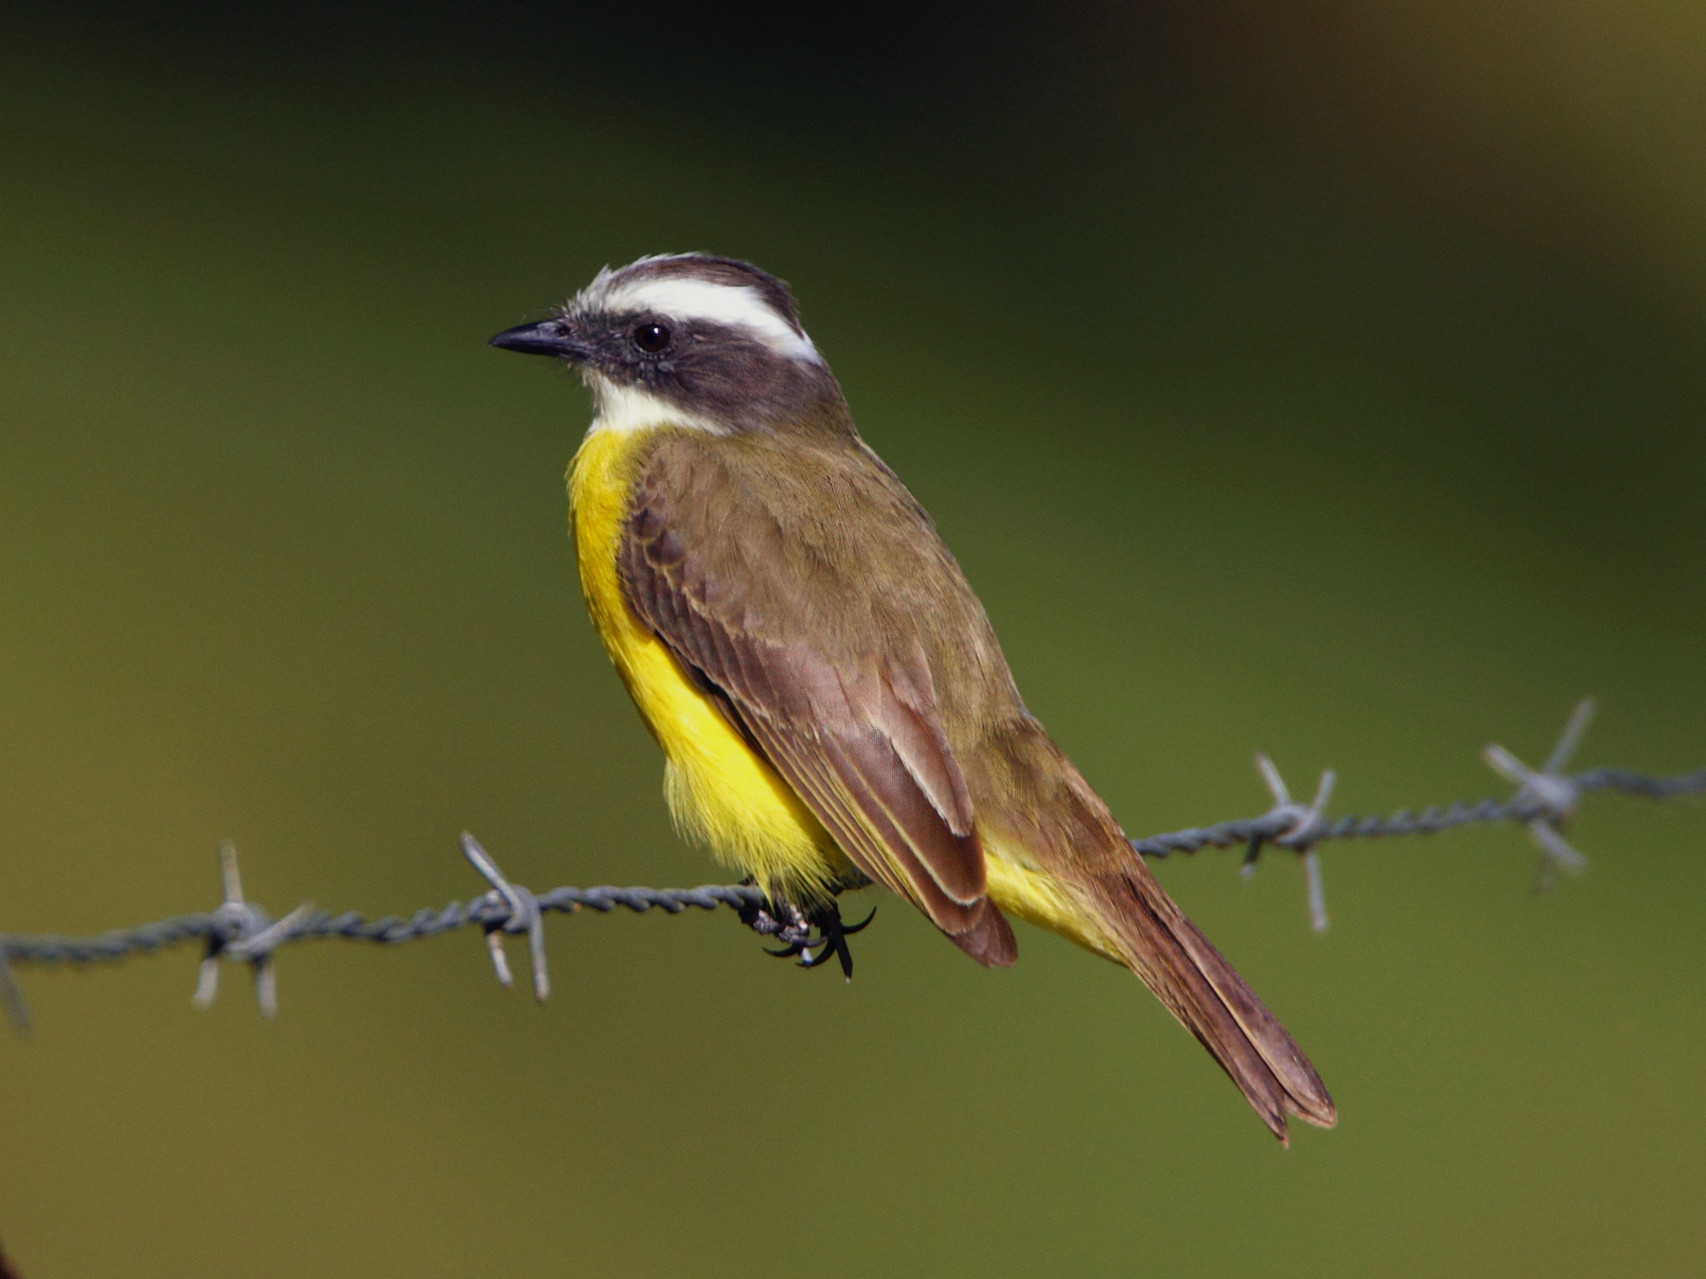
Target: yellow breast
x=719 y=791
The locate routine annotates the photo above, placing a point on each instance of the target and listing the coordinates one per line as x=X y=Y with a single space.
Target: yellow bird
x=831 y=701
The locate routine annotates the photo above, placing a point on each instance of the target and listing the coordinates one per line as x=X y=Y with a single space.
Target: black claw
x=833 y=943
x=844 y=954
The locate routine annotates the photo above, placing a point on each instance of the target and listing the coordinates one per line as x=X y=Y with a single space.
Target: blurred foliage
x=1308 y=378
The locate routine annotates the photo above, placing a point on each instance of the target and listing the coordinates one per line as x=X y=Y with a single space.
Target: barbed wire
x=240 y=931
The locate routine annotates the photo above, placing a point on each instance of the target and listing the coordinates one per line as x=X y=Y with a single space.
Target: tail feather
x=1155 y=940
x=1064 y=863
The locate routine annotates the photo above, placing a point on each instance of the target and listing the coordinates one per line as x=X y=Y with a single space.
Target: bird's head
x=689 y=340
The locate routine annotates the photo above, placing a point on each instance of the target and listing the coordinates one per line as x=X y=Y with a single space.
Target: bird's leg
x=781 y=919
x=795 y=927
x=804 y=930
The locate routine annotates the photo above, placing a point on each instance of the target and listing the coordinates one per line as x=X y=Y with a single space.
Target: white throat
x=628 y=408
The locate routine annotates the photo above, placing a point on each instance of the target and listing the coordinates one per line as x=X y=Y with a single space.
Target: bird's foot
x=803 y=931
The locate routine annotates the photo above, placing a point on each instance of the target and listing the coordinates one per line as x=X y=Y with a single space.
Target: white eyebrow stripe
x=738 y=305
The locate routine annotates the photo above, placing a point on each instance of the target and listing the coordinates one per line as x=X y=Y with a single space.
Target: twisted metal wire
x=391 y=930
x=241 y=931
x=1521 y=808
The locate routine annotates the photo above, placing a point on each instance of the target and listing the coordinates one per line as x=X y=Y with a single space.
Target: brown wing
x=806 y=636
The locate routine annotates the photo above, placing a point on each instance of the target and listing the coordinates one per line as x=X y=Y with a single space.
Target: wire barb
x=521 y=914
x=12 y=999
x=243 y=932
x=1549 y=797
x=1300 y=827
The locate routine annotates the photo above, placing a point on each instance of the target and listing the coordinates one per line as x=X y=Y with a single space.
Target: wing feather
x=835 y=692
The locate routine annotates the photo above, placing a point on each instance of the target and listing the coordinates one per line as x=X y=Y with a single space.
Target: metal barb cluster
x=1303 y=828
x=1545 y=800
x=243 y=932
x=239 y=931
x=1552 y=795
x=520 y=914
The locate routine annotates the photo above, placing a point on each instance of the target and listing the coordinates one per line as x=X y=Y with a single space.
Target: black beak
x=548 y=337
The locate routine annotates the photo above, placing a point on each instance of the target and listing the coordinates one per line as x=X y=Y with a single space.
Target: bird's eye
x=651 y=338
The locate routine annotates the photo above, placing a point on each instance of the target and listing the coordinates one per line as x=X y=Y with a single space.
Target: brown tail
x=1204 y=992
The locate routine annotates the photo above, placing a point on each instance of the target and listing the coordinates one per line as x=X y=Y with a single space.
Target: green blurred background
x=1306 y=378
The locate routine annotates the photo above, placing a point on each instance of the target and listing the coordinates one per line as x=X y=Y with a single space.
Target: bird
x=828 y=692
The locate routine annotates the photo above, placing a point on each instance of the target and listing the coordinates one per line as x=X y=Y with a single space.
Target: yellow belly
x=719 y=791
